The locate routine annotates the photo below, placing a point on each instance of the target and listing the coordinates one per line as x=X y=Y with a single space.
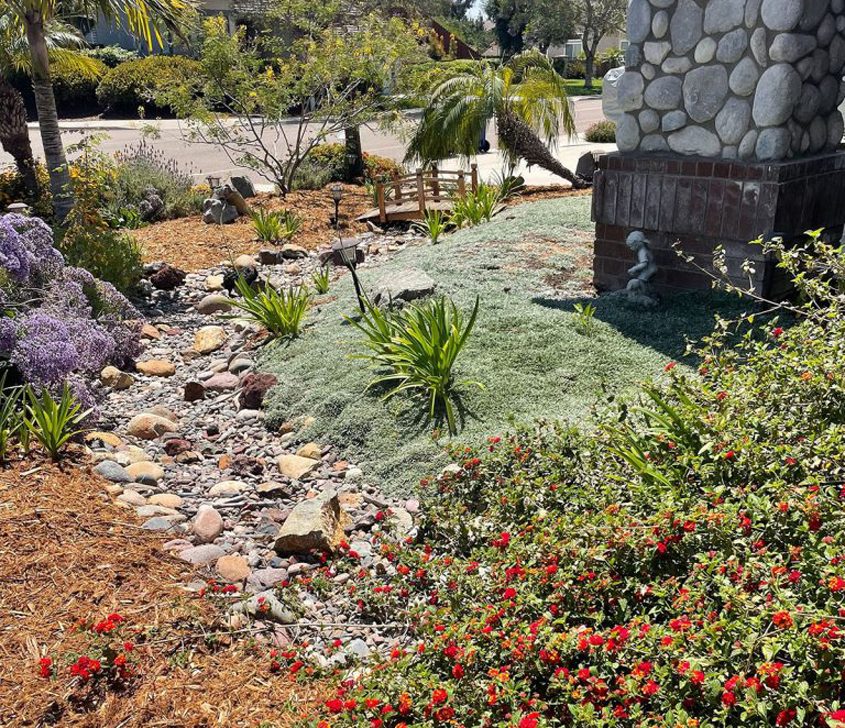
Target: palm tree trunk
x=522 y=143
x=48 y=119
x=14 y=136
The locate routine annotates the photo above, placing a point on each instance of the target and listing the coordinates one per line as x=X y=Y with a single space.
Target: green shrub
x=141 y=170
x=602 y=132
x=137 y=83
x=76 y=92
x=327 y=163
x=575 y=68
x=585 y=318
x=111 y=55
x=415 y=350
x=280 y=312
x=111 y=255
x=12 y=190
x=682 y=565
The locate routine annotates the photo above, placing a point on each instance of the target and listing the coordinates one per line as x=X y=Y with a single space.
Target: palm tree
x=143 y=18
x=63 y=42
x=525 y=96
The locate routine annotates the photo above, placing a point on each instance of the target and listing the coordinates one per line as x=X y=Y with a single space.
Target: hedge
x=135 y=83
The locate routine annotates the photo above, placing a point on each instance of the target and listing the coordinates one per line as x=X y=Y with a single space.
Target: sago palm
x=63 y=42
x=143 y=18
x=525 y=96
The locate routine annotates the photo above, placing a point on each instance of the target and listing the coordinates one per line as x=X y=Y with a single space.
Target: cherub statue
x=645 y=268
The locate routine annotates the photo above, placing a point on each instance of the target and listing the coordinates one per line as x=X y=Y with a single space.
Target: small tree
x=267 y=102
x=597 y=18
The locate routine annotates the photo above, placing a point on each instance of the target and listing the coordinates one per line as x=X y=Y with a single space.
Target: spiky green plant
x=53 y=423
x=585 y=318
x=11 y=421
x=434 y=225
x=280 y=312
x=476 y=207
x=416 y=349
x=321 y=280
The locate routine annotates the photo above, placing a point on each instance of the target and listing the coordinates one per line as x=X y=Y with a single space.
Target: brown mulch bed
x=190 y=244
x=68 y=555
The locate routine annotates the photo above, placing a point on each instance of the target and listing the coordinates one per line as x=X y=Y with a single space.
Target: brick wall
x=704 y=203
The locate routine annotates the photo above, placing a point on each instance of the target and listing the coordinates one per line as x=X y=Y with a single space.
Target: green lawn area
x=575 y=87
x=528 y=266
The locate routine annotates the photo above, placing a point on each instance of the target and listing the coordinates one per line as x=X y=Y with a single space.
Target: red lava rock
x=167 y=278
x=176 y=446
x=253 y=389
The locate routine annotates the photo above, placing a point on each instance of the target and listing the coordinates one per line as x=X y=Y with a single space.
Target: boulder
x=313 y=525
x=408 y=284
x=148 y=426
x=209 y=338
x=167 y=278
x=254 y=387
x=310 y=450
x=194 y=392
x=156 y=368
x=242 y=185
x=292 y=252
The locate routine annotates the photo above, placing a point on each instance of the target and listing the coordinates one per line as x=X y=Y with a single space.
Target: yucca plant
x=434 y=225
x=54 y=422
x=280 y=312
x=321 y=280
x=418 y=347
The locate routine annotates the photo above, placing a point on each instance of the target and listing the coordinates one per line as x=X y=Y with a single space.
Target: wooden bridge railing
x=432 y=185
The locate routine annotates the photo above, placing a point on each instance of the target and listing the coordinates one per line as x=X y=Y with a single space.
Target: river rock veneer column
x=730 y=130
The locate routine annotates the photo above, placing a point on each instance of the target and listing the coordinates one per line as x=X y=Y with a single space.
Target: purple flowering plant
x=59 y=325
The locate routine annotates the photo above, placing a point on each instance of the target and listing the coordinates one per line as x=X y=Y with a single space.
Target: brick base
x=702 y=204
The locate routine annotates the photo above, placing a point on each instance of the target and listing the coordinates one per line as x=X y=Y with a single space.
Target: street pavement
x=204 y=159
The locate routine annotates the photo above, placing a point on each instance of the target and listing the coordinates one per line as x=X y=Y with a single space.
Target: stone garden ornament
x=638 y=289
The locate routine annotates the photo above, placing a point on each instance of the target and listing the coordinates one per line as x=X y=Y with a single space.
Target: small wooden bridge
x=411 y=196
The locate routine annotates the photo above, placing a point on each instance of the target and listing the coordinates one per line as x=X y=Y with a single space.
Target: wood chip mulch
x=68 y=556
x=190 y=244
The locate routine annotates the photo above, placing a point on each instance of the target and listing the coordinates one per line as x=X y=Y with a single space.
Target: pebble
x=110 y=470
x=156 y=368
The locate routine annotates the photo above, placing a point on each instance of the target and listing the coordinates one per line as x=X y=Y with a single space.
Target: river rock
x=209 y=338
x=203 y=555
x=686 y=26
x=207 y=524
x=221 y=382
x=113 y=472
x=705 y=90
x=232 y=568
x=156 y=368
x=148 y=473
x=116 y=379
x=214 y=303
x=777 y=93
x=147 y=426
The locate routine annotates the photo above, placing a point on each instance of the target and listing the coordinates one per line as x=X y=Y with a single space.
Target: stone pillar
x=730 y=131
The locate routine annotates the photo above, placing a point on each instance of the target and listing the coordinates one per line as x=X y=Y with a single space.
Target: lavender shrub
x=59 y=323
